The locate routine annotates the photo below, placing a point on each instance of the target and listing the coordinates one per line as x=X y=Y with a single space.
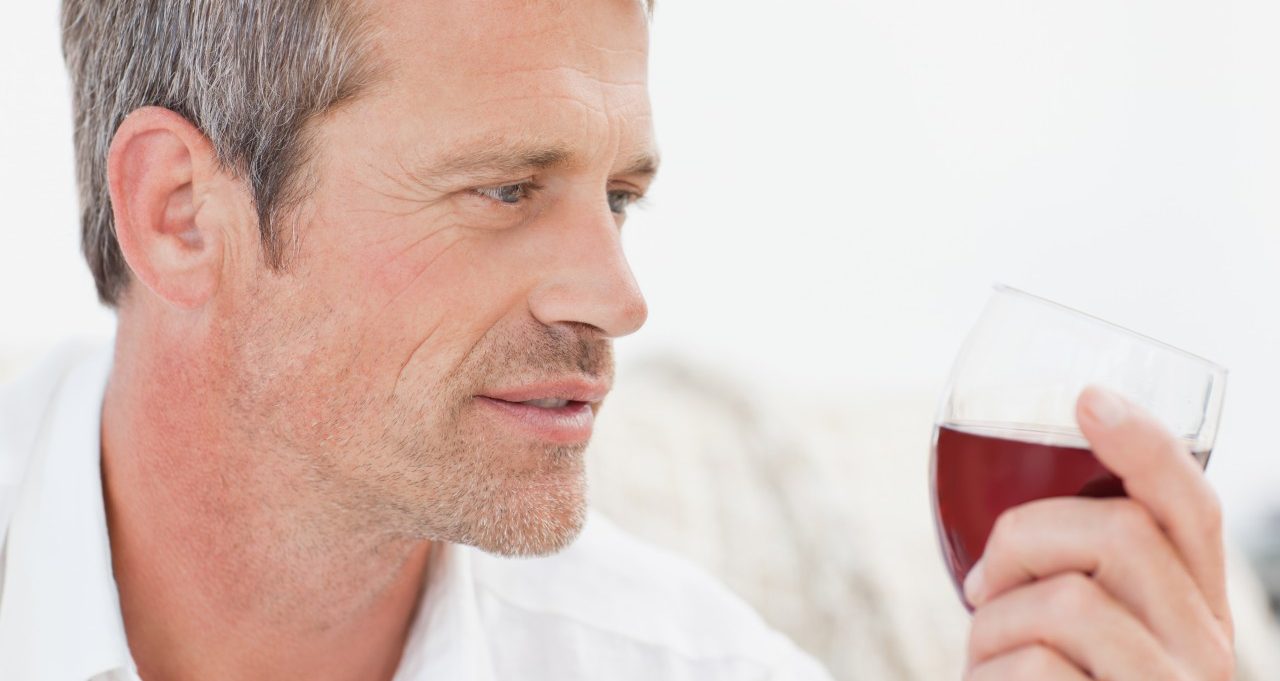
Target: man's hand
x=1119 y=589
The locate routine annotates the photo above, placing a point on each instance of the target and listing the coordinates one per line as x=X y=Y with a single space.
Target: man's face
x=461 y=246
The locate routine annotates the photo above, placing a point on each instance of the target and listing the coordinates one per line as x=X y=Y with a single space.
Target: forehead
x=562 y=71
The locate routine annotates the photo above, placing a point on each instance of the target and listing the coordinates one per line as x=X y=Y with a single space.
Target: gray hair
x=250 y=74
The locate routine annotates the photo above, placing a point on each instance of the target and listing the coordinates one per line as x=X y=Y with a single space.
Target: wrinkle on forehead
x=585 y=73
x=474 y=37
x=569 y=75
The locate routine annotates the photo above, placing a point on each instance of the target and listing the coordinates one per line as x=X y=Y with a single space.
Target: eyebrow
x=644 y=164
x=502 y=160
x=495 y=160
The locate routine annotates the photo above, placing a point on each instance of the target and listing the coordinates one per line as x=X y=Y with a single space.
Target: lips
x=559 y=412
x=568 y=389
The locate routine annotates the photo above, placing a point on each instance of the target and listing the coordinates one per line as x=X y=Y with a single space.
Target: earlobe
x=157 y=171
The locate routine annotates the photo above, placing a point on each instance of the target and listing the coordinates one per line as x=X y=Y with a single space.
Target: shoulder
x=615 y=589
x=25 y=405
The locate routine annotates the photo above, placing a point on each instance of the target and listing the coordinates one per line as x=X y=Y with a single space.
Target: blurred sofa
x=816 y=510
x=1264 y=548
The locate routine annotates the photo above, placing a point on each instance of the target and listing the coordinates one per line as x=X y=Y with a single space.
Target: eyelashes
x=509 y=194
x=621 y=199
x=515 y=193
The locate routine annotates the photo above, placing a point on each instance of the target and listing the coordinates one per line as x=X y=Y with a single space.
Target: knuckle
x=1007 y=527
x=1210 y=514
x=1071 y=597
x=979 y=634
x=1221 y=662
x=1035 y=662
x=1129 y=523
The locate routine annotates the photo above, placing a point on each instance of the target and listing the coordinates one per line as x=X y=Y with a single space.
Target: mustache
x=568 y=348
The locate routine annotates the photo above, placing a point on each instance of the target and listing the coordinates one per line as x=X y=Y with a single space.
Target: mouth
x=559 y=412
x=548 y=403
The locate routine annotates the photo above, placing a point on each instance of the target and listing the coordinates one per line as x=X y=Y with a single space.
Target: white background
x=842 y=182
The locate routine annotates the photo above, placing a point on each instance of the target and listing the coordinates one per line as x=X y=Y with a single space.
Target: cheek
x=427 y=305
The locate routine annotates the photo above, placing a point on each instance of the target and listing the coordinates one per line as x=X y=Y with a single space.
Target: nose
x=592 y=282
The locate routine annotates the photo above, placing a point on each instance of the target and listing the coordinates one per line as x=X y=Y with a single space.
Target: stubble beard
x=420 y=464
x=471 y=485
x=466 y=490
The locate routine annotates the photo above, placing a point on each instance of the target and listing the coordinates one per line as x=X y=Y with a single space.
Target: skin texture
x=281 y=449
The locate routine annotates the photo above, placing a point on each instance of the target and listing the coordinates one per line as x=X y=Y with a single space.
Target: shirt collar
x=59 y=609
x=447 y=640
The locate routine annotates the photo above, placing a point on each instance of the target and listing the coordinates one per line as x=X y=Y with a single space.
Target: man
x=366 y=264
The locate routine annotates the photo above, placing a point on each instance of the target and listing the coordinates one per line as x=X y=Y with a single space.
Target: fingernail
x=1106 y=408
x=975 y=585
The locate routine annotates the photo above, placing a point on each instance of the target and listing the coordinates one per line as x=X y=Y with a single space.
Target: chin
x=543 y=543
x=534 y=521
x=504 y=498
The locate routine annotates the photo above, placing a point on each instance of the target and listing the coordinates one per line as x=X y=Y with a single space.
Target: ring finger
x=1073 y=615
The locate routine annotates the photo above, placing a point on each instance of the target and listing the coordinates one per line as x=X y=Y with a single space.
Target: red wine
x=981 y=471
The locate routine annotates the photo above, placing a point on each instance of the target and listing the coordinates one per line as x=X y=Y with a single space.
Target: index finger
x=1159 y=472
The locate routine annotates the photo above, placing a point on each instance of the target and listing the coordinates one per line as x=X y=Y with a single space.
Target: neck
x=231 y=561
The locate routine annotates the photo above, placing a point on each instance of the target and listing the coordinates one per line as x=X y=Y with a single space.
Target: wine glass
x=1006 y=432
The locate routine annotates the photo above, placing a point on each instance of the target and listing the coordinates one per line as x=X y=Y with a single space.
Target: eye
x=620 y=199
x=509 y=194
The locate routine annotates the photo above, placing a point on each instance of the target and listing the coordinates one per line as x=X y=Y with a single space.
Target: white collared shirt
x=608 y=608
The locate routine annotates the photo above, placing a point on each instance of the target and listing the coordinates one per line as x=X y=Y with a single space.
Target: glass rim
x=1212 y=365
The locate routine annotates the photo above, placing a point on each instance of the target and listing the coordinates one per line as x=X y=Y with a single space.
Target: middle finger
x=1073 y=615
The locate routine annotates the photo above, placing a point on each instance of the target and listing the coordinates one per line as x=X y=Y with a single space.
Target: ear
x=161 y=169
